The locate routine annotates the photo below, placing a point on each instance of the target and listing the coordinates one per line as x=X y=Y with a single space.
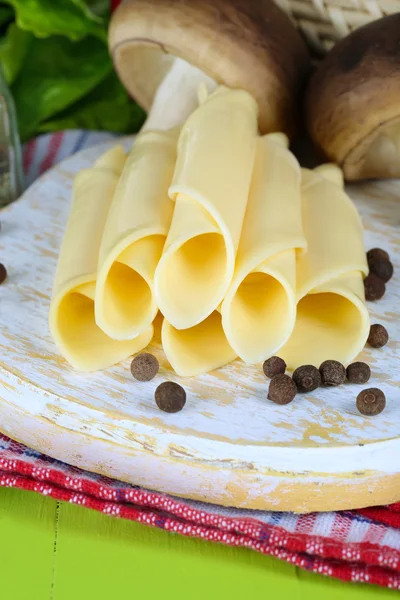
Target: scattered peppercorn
x=170 y=397
x=274 y=366
x=307 y=378
x=3 y=273
x=332 y=372
x=378 y=336
x=144 y=367
x=358 y=372
x=282 y=389
x=371 y=402
x=374 y=287
x=377 y=253
x=381 y=267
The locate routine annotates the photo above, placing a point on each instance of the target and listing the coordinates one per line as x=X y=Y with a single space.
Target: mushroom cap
x=353 y=101
x=246 y=44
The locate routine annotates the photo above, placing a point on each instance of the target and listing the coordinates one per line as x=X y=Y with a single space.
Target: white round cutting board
x=229 y=445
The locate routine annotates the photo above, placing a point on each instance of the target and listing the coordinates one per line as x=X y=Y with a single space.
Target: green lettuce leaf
x=55 y=59
x=56 y=73
x=14 y=47
x=107 y=107
x=71 y=18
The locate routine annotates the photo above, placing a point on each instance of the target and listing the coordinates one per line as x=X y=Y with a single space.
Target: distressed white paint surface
x=229 y=434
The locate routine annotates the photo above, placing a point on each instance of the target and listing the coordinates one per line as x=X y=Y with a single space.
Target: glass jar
x=11 y=175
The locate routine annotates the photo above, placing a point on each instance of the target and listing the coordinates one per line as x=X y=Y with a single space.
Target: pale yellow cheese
x=72 y=321
x=210 y=186
x=134 y=236
x=259 y=310
x=197 y=350
x=332 y=318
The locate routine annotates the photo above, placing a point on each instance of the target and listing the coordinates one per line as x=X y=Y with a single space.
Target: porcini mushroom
x=163 y=50
x=353 y=102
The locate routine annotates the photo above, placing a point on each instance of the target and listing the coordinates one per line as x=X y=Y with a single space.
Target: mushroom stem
x=177 y=96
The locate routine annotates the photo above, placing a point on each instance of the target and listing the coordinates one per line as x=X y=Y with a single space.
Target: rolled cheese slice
x=332 y=318
x=197 y=350
x=134 y=236
x=72 y=319
x=210 y=186
x=259 y=310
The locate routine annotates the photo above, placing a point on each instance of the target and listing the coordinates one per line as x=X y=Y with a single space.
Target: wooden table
x=56 y=551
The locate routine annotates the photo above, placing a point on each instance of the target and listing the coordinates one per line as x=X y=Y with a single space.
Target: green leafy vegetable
x=106 y=107
x=13 y=50
x=55 y=58
x=72 y=18
x=46 y=86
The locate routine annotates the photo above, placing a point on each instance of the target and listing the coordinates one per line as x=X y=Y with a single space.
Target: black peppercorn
x=3 y=273
x=274 y=366
x=374 y=287
x=170 y=397
x=378 y=336
x=144 y=367
x=381 y=267
x=307 y=378
x=371 y=402
x=377 y=253
x=332 y=372
x=358 y=372
x=282 y=389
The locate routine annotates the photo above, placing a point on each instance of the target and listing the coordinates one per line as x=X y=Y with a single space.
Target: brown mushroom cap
x=247 y=44
x=353 y=101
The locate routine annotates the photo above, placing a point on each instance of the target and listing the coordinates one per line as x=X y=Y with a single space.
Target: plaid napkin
x=362 y=545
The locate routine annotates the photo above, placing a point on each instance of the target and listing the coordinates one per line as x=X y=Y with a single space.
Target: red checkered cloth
x=362 y=546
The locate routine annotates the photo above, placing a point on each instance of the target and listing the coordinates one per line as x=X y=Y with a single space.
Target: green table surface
x=57 y=551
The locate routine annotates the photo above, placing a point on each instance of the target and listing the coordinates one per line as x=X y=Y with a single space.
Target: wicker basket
x=323 y=22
